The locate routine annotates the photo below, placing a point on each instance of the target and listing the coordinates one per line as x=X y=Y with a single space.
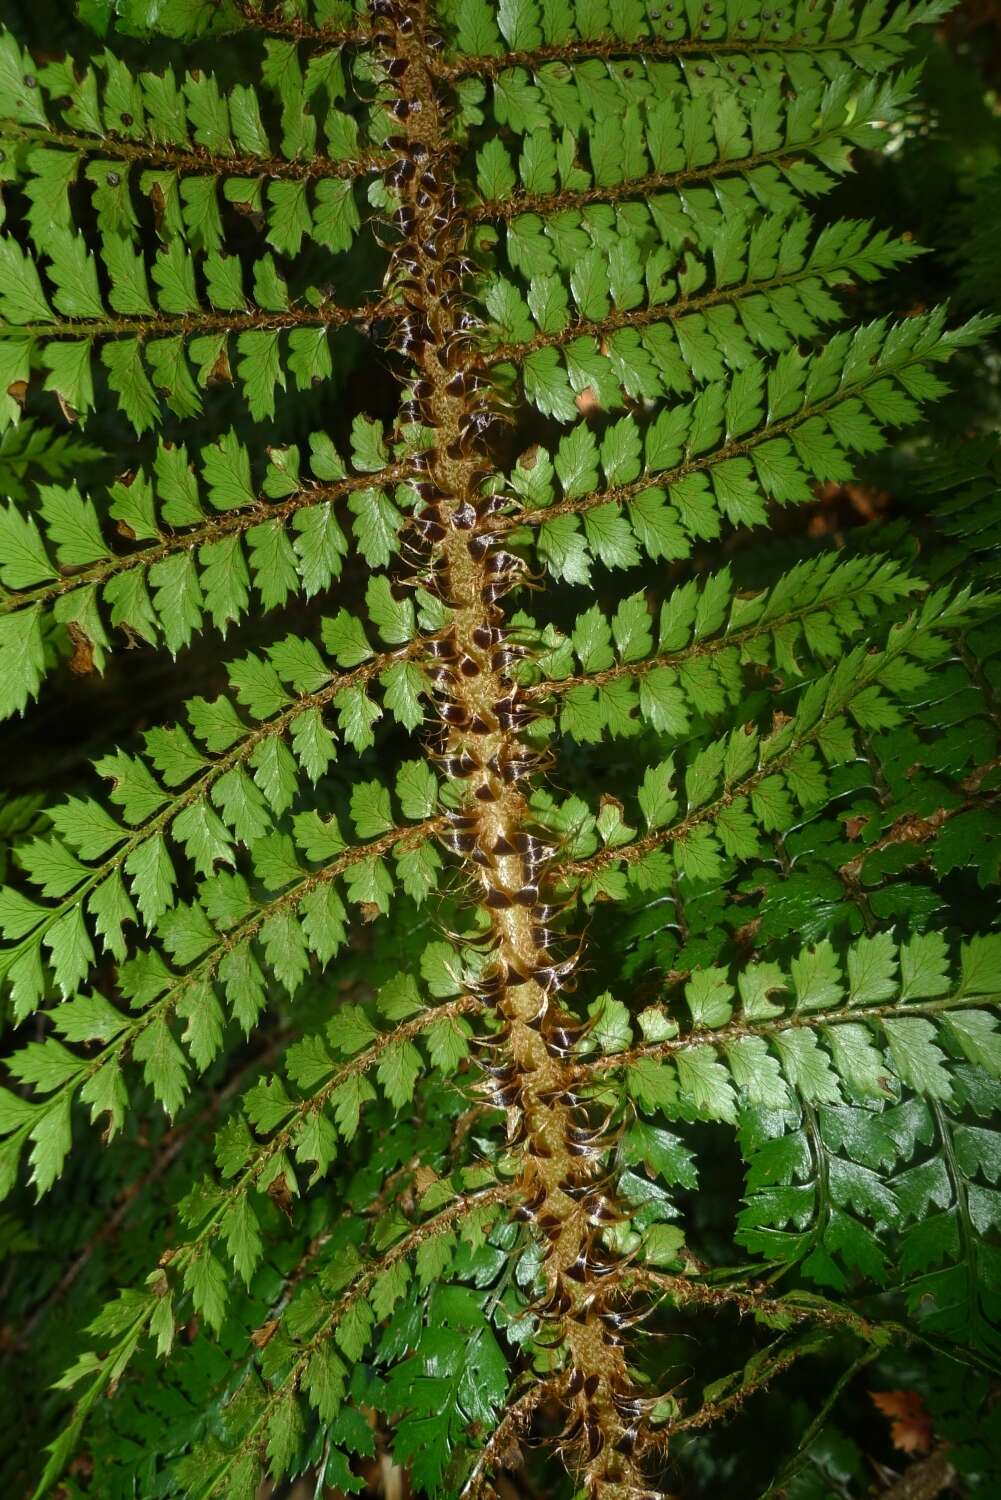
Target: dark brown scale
x=503 y=562
x=464 y=517
x=518 y=718
x=415 y=326
x=461 y=765
x=454 y=714
x=595 y=1438
x=504 y=1097
x=456 y=351
x=531 y=1205
x=512 y=771
x=560 y=1042
x=505 y=1072
x=615 y=1322
x=428 y=517
x=502 y=660
x=490 y=984
x=551 y=912
x=533 y=846
x=578 y=1190
x=459 y=266
x=542 y=937
x=432 y=531
x=475 y=423
x=627 y=1442
x=459 y=843
x=582 y=1153
x=627 y=1406
x=573 y=1432
x=479 y=725
x=442 y=648
x=556 y=1305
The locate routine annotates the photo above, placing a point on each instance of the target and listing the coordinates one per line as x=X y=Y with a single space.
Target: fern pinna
x=559 y=864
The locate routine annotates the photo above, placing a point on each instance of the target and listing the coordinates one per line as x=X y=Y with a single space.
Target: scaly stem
x=562 y=1148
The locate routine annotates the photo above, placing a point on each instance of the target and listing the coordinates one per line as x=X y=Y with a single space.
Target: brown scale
x=455 y=539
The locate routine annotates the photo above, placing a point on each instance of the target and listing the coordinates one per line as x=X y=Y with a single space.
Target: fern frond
x=210 y=942
x=210 y=538
x=664 y=149
x=690 y=666
x=806 y=41
x=188 y=146
x=174 y=348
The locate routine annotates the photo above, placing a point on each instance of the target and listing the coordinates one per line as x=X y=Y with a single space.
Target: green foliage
x=210 y=541
x=568 y=899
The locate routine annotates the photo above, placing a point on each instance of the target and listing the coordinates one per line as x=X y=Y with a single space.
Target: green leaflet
x=200 y=548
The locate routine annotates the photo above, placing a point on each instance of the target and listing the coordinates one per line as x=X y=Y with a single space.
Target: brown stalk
x=560 y=1145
